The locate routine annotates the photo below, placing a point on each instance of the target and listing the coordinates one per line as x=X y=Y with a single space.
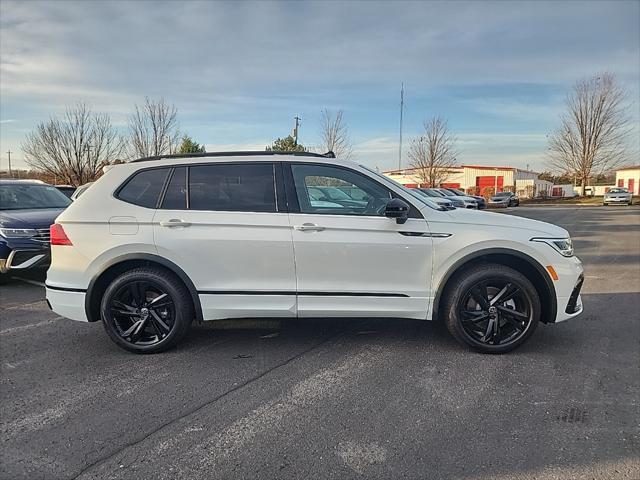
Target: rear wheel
x=146 y=310
x=491 y=308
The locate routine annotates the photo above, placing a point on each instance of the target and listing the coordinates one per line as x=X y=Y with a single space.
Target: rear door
x=222 y=224
x=351 y=260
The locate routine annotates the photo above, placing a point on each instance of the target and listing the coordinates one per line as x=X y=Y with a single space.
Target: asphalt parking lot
x=328 y=399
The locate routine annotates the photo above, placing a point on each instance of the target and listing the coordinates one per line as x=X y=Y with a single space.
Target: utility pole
x=295 y=129
x=9 y=155
x=401 y=109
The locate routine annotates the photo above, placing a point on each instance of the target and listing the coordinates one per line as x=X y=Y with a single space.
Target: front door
x=221 y=224
x=351 y=260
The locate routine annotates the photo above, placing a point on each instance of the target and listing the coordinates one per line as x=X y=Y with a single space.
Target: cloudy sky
x=238 y=72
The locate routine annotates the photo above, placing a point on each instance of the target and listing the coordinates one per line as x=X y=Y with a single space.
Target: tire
x=130 y=319
x=491 y=327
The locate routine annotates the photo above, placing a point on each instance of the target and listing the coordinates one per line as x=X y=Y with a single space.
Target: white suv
x=158 y=242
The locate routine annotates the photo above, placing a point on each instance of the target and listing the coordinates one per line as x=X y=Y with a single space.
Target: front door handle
x=174 y=222
x=308 y=227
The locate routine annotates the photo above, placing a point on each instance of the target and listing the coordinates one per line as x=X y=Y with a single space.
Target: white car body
x=285 y=264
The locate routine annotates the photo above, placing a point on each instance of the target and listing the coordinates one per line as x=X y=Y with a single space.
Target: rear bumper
x=68 y=303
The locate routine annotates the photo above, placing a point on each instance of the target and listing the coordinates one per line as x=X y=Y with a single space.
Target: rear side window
x=144 y=187
x=234 y=187
x=175 y=198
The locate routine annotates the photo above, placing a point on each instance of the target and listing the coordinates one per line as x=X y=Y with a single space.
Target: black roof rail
x=329 y=154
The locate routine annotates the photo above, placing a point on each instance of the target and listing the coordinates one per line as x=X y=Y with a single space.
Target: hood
x=499 y=199
x=479 y=217
x=38 y=218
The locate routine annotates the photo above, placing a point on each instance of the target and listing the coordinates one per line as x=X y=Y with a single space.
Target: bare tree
x=335 y=135
x=153 y=129
x=74 y=148
x=433 y=153
x=593 y=132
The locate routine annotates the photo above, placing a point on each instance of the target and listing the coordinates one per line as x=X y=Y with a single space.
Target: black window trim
x=279 y=200
x=169 y=168
x=294 y=206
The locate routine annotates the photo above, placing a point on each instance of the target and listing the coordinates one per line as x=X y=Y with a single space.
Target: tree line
x=591 y=139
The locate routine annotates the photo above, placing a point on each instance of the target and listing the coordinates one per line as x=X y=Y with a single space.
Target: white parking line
x=30 y=325
x=32 y=282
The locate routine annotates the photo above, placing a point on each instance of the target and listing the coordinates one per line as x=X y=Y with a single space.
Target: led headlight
x=564 y=246
x=17 y=232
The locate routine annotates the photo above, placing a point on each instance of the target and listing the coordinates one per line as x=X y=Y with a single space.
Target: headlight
x=563 y=245
x=17 y=232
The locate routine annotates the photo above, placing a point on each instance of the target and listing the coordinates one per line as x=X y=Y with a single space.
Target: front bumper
x=616 y=200
x=23 y=256
x=568 y=287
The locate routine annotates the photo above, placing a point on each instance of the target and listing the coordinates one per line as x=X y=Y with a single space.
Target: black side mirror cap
x=398 y=209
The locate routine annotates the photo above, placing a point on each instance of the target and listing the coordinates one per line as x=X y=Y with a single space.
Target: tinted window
x=29 y=196
x=144 y=188
x=331 y=190
x=175 y=198
x=234 y=188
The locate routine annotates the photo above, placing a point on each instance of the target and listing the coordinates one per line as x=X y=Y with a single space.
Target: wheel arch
x=122 y=263
x=522 y=262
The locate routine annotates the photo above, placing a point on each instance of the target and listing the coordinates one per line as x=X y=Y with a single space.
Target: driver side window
x=337 y=191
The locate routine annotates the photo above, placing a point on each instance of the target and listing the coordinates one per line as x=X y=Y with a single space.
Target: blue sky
x=238 y=72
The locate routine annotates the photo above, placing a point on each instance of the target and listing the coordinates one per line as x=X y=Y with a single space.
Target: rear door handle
x=308 y=227
x=174 y=222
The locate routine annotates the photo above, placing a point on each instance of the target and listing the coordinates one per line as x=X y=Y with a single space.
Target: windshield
x=457 y=193
x=502 y=194
x=618 y=190
x=422 y=199
x=25 y=197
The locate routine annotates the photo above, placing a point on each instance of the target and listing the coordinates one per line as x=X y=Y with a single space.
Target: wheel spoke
x=157 y=299
x=513 y=313
x=479 y=294
x=500 y=293
x=157 y=319
x=510 y=294
x=124 y=312
x=474 y=316
x=132 y=328
x=120 y=304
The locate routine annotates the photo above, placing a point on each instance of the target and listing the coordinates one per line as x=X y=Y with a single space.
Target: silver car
x=617 y=196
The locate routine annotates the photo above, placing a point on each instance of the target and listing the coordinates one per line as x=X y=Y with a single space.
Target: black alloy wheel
x=146 y=310
x=492 y=308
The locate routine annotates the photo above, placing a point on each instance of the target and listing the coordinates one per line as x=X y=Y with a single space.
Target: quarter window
x=331 y=190
x=144 y=187
x=232 y=187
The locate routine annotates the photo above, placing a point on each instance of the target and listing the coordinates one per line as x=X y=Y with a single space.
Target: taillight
x=58 y=237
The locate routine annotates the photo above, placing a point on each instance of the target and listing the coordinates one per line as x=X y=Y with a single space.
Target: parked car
x=27 y=209
x=617 y=196
x=467 y=202
x=436 y=197
x=160 y=241
x=334 y=195
x=68 y=190
x=434 y=192
x=507 y=199
x=481 y=201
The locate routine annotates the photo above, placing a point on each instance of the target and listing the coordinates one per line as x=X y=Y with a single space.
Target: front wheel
x=491 y=308
x=146 y=310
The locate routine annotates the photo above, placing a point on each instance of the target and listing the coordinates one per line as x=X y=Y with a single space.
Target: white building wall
x=625 y=175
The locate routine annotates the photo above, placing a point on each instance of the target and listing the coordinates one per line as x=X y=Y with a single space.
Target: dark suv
x=27 y=209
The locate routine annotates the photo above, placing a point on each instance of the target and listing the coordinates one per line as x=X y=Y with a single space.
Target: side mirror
x=398 y=209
